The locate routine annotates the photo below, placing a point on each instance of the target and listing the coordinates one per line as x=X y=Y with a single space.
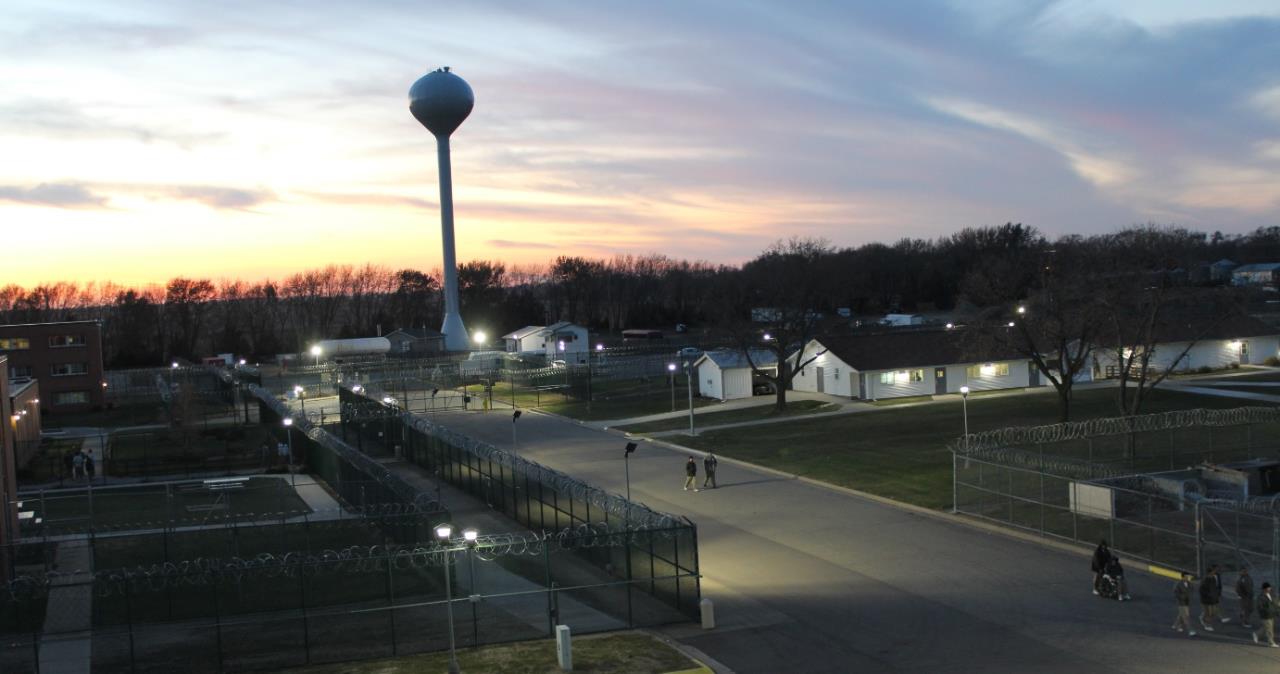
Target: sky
x=142 y=140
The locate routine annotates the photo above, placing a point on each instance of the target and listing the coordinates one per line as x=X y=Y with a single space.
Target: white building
x=560 y=341
x=1238 y=340
x=897 y=365
x=727 y=375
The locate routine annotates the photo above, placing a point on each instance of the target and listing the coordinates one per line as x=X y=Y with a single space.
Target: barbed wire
x=633 y=514
x=1092 y=428
x=345 y=561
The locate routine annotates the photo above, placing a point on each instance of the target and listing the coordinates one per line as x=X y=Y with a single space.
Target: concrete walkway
x=812 y=578
x=66 y=645
x=1227 y=393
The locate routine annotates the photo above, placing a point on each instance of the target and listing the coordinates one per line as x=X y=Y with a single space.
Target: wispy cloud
x=57 y=195
x=220 y=197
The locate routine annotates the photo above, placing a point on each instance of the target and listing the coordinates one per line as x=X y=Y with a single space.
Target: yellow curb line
x=700 y=669
x=1161 y=571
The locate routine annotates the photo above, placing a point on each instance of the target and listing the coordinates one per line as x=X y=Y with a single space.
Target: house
x=65 y=357
x=10 y=420
x=1262 y=275
x=1220 y=271
x=559 y=341
x=415 y=342
x=1208 y=342
x=24 y=419
x=727 y=375
x=916 y=363
x=899 y=320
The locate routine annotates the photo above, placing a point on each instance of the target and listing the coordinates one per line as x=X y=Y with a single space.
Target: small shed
x=413 y=342
x=727 y=375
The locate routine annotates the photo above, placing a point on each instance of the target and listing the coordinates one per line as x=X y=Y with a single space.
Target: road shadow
x=726 y=485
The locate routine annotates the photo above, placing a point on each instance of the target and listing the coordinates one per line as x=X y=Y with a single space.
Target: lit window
x=886 y=377
x=14 y=343
x=917 y=375
x=63 y=341
x=988 y=370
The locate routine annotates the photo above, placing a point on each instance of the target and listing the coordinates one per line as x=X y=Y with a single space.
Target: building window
x=68 y=369
x=18 y=371
x=70 y=398
x=14 y=343
x=836 y=373
x=988 y=370
x=63 y=341
x=901 y=376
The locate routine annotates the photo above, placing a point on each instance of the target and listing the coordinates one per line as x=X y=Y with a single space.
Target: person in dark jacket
x=709 y=470
x=1244 y=590
x=1101 y=556
x=690 y=474
x=1117 y=574
x=1267 y=614
x=1182 y=596
x=1210 y=597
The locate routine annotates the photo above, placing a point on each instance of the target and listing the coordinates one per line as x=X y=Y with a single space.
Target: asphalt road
x=811 y=579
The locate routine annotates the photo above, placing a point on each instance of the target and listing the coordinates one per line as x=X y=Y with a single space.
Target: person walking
x=1101 y=556
x=77 y=465
x=709 y=468
x=1182 y=596
x=1266 y=614
x=690 y=473
x=1244 y=590
x=1210 y=597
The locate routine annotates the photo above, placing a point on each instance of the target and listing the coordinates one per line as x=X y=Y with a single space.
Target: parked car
x=763 y=388
x=558 y=363
x=689 y=352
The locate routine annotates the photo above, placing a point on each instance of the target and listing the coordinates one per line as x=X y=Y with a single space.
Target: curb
x=706 y=664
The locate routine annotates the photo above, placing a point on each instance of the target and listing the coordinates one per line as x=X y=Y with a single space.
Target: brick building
x=65 y=358
x=9 y=422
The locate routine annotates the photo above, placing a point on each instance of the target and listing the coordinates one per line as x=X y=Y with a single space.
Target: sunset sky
x=142 y=140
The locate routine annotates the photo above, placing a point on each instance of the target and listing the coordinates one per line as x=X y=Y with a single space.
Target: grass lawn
x=605 y=654
x=710 y=417
x=902 y=453
x=616 y=400
x=1267 y=375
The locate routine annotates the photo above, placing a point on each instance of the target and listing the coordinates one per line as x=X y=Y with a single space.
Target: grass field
x=610 y=400
x=607 y=654
x=902 y=453
x=711 y=417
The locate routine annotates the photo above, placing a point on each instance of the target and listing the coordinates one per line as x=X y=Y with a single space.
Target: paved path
x=814 y=579
x=1228 y=393
x=66 y=643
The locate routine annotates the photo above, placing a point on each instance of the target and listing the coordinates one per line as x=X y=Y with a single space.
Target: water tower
x=440 y=101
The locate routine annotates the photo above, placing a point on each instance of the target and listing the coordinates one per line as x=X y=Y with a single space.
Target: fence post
x=391 y=595
x=128 y=617
x=1199 y=540
x=1275 y=549
x=217 y=623
x=955 y=498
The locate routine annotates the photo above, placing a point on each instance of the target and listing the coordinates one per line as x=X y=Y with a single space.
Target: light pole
x=964 y=403
x=688 y=380
x=443 y=532
x=300 y=392
x=288 y=429
x=514 y=415
x=173 y=367
x=671 y=374
x=479 y=337
x=626 y=461
x=315 y=351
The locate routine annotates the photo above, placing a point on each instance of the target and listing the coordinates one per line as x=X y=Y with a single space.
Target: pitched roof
x=557 y=327
x=725 y=358
x=1189 y=328
x=523 y=332
x=917 y=348
x=1265 y=266
x=418 y=333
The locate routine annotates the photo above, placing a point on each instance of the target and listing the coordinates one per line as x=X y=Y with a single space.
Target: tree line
x=975 y=269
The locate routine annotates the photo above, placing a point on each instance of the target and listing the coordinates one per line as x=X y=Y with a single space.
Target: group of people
x=1211 y=600
x=709 y=471
x=1106 y=570
x=80 y=463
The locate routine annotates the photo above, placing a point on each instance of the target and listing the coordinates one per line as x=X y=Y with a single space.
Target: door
x=940 y=380
x=821 y=380
x=1244 y=353
x=1033 y=375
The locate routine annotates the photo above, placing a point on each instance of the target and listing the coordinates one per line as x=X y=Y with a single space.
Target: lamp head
x=964 y=391
x=444 y=531
x=470 y=535
x=288 y=421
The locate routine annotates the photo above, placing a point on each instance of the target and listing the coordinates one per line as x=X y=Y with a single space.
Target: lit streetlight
x=479 y=338
x=964 y=403
x=688 y=383
x=301 y=393
x=671 y=374
x=443 y=532
x=315 y=351
x=288 y=429
x=1022 y=310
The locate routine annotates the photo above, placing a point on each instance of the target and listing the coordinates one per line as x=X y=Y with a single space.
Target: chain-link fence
x=1140 y=483
x=540 y=498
